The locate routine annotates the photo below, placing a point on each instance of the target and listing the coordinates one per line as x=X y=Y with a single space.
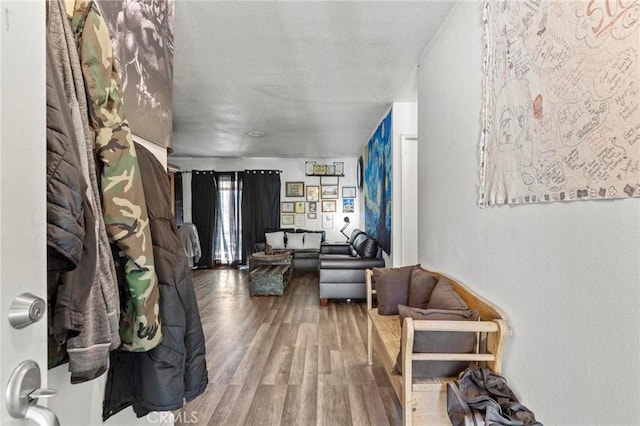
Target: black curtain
x=177 y=198
x=227 y=247
x=203 y=211
x=260 y=206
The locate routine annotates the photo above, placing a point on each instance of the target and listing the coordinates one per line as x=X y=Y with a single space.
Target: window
x=228 y=223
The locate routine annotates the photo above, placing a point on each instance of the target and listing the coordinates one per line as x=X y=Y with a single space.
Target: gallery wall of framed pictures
x=301 y=188
x=325 y=190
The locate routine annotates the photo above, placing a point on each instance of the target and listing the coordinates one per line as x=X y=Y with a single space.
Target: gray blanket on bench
x=479 y=391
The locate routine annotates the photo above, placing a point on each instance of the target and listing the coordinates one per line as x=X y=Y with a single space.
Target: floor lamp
x=345 y=226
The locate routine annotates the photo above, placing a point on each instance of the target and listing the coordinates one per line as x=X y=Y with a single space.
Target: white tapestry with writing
x=561 y=116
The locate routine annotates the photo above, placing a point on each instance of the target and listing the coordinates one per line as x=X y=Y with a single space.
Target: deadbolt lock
x=26 y=309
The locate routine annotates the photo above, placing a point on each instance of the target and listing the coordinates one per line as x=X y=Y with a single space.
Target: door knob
x=26 y=309
x=23 y=391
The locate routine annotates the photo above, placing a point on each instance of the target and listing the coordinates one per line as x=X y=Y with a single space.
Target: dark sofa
x=303 y=258
x=343 y=266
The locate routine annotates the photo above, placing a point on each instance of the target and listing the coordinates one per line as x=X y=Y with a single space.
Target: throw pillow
x=312 y=240
x=275 y=239
x=421 y=286
x=445 y=297
x=392 y=287
x=295 y=241
x=439 y=341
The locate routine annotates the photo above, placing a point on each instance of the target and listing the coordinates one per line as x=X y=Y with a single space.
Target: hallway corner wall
x=566 y=274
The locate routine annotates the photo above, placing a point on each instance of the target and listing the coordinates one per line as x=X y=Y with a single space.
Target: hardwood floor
x=285 y=360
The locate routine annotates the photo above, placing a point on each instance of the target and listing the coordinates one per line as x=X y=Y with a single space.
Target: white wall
x=567 y=274
x=292 y=171
x=404 y=122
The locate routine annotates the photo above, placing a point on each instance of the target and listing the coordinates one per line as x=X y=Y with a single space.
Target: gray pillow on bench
x=439 y=341
x=392 y=288
x=445 y=297
x=421 y=288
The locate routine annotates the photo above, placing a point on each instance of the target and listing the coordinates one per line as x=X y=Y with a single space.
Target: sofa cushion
x=345 y=262
x=354 y=234
x=312 y=240
x=445 y=297
x=421 y=285
x=365 y=246
x=392 y=288
x=295 y=241
x=439 y=341
x=275 y=239
x=306 y=254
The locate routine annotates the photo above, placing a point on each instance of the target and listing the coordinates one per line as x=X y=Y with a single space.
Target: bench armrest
x=368 y=278
x=368 y=275
x=494 y=330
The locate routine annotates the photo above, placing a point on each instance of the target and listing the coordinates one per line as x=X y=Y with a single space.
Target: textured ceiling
x=316 y=77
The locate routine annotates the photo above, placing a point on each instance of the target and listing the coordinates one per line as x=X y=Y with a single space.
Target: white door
x=22 y=183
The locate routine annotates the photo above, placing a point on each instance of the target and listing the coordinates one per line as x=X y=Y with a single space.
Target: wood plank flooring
x=285 y=360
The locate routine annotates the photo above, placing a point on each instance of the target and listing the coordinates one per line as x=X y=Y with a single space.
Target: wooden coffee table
x=269 y=280
x=269 y=274
x=278 y=257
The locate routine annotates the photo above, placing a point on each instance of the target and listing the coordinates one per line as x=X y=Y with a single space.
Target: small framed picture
x=287 y=219
x=299 y=220
x=313 y=193
x=294 y=189
x=327 y=221
x=313 y=207
x=331 y=169
x=347 y=205
x=312 y=215
x=329 y=206
x=300 y=206
x=339 y=168
x=329 y=191
x=308 y=167
x=329 y=180
x=348 y=192
x=319 y=169
x=287 y=207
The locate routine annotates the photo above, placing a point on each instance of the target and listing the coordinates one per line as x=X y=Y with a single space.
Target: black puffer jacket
x=71 y=239
x=159 y=379
x=65 y=183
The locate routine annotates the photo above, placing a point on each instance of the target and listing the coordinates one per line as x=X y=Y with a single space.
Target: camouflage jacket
x=123 y=200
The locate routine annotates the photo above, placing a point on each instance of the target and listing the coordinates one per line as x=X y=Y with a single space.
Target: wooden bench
x=269 y=280
x=424 y=400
